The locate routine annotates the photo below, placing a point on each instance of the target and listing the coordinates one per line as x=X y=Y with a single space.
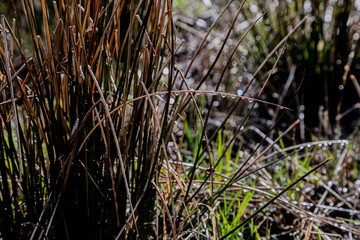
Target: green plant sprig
x=274 y=198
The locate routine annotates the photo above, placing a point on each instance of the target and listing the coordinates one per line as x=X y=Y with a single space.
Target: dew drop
x=240 y=92
x=166 y=71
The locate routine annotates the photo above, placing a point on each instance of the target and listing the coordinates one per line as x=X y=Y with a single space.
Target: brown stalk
x=49 y=45
x=166 y=209
x=108 y=116
x=9 y=78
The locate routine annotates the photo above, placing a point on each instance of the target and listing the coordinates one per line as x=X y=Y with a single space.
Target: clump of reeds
x=90 y=112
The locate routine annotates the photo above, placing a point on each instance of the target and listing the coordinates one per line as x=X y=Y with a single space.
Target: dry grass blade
x=10 y=83
x=208 y=92
x=308 y=230
x=110 y=121
x=160 y=194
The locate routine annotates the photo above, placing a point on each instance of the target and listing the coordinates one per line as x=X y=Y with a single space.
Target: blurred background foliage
x=319 y=57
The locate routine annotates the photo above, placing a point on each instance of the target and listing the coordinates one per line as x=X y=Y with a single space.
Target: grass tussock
x=104 y=136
